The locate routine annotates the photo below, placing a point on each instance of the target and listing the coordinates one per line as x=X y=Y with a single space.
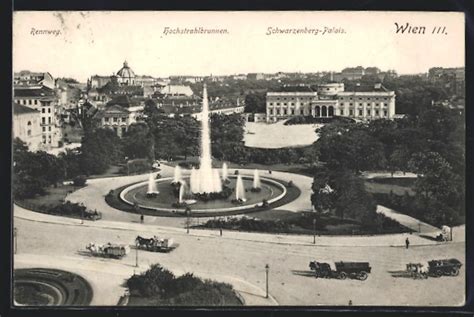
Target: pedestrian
x=220 y=231
x=407 y=243
x=142 y=218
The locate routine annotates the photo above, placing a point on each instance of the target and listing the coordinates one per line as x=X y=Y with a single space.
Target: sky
x=82 y=44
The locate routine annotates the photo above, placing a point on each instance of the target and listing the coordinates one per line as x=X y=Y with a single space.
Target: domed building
x=126 y=76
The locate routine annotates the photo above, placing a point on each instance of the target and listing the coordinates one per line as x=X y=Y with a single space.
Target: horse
x=143 y=241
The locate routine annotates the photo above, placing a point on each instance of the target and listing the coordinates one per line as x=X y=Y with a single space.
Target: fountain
x=205 y=180
x=256 y=179
x=182 y=189
x=225 y=172
x=239 y=189
x=152 y=191
x=177 y=174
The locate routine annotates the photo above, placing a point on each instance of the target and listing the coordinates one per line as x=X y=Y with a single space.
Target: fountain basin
x=271 y=191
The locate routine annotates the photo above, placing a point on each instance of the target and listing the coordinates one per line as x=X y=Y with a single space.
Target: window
x=284 y=104
x=49 y=110
x=368 y=112
x=36 y=102
x=278 y=103
x=271 y=103
x=284 y=111
x=49 y=129
x=28 y=133
x=385 y=104
x=385 y=113
x=106 y=119
x=49 y=120
x=115 y=119
x=350 y=104
x=351 y=112
x=376 y=112
x=44 y=129
x=278 y=98
x=360 y=112
x=43 y=110
x=292 y=103
x=124 y=119
x=30 y=102
x=43 y=120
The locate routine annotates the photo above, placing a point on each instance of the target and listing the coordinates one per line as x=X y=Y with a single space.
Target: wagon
x=448 y=267
x=108 y=250
x=357 y=270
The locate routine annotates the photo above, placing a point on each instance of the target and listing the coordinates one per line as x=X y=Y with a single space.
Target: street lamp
x=188 y=213
x=314 y=231
x=136 y=254
x=267 y=268
x=15 y=232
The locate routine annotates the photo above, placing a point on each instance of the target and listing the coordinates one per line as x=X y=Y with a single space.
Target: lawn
x=55 y=196
x=397 y=186
x=281 y=221
x=277 y=135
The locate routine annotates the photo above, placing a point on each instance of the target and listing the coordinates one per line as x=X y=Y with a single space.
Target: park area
x=278 y=135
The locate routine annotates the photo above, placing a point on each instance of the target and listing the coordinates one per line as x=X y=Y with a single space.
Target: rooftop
x=34 y=92
x=20 y=109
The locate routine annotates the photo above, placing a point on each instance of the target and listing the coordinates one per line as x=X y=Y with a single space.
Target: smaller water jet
x=239 y=190
x=177 y=174
x=152 y=191
x=183 y=195
x=225 y=172
x=256 y=179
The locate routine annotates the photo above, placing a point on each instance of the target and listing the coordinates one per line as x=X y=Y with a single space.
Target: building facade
x=45 y=101
x=119 y=114
x=331 y=100
x=27 y=127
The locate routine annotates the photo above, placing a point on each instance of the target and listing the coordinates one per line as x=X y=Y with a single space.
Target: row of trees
x=430 y=144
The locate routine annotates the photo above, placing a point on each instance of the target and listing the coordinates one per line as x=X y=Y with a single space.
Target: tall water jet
x=205 y=181
x=256 y=179
x=239 y=189
x=225 y=172
x=152 y=191
x=177 y=174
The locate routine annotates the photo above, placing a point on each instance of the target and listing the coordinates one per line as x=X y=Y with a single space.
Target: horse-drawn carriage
x=417 y=270
x=108 y=250
x=357 y=270
x=155 y=244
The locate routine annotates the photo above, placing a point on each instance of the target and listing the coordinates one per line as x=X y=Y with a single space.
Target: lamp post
x=267 y=268
x=188 y=213
x=15 y=233
x=136 y=254
x=314 y=231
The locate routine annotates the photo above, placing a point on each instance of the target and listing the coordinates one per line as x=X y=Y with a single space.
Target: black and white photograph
x=238 y=158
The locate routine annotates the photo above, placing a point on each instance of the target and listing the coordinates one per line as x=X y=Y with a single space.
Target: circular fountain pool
x=271 y=191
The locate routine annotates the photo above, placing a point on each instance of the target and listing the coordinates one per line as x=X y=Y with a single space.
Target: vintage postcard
x=215 y=159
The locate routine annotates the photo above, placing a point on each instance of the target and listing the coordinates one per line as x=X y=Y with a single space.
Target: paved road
x=244 y=260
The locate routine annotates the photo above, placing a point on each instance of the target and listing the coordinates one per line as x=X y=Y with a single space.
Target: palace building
x=329 y=100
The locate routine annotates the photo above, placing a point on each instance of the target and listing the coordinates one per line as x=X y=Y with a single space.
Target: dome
x=125 y=71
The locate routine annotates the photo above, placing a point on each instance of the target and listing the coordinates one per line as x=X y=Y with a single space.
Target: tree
x=138 y=142
x=255 y=102
x=348 y=145
x=34 y=171
x=100 y=148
